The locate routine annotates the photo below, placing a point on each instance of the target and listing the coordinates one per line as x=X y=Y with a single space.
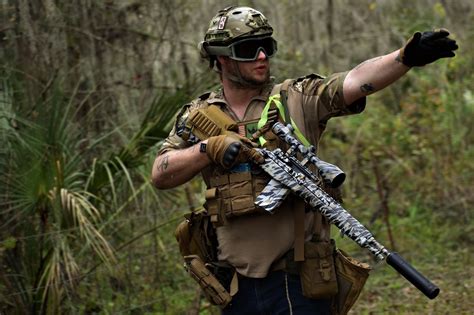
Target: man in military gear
x=238 y=45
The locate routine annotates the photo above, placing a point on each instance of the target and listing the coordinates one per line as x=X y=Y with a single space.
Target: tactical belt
x=286 y=263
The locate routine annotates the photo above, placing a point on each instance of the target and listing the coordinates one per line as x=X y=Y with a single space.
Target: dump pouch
x=212 y=289
x=351 y=277
x=318 y=274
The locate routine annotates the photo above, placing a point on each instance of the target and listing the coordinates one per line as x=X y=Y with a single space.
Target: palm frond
x=85 y=217
x=155 y=126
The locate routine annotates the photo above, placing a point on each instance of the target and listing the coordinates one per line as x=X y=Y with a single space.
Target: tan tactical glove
x=232 y=149
x=424 y=48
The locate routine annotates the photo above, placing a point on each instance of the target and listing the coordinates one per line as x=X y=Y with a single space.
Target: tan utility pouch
x=212 y=289
x=233 y=195
x=318 y=274
x=351 y=277
x=208 y=122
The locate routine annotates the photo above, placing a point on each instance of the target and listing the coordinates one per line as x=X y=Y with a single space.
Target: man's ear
x=223 y=60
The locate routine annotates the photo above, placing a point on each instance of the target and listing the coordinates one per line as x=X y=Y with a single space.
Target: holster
x=213 y=290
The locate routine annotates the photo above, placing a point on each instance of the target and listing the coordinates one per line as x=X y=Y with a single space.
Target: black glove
x=424 y=48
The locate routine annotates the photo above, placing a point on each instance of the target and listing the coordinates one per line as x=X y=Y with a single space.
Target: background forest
x=88 y=90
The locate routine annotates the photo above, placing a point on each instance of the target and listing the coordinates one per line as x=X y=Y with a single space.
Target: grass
x=445 y=261
x=386 y=292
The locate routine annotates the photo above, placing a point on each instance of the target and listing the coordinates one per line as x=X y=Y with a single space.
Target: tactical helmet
x=233 y=24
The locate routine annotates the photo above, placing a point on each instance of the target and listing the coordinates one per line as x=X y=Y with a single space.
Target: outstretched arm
x=373 y=75
x=377 y=73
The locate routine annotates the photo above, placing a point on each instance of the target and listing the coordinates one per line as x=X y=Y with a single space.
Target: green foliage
x=57 y=208
x=83 y=232
x=45 y=205
x=419 y=134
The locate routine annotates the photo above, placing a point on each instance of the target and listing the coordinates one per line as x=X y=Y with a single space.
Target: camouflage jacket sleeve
x=322 y=98
x=174 y=140
x=315 y=99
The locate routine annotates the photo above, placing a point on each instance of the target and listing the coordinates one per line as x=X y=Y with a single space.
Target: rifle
x=291 y=174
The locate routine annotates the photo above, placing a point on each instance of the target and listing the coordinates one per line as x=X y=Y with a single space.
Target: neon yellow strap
x=264 y=118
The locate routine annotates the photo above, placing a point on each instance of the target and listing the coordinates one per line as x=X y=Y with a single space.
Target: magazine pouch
x=318 y=274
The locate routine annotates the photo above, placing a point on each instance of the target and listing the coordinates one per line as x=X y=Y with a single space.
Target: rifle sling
x=278 y=99
x=299 y=215
x=320 y=233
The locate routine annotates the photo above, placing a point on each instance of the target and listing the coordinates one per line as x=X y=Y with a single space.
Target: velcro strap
x=225 y=179
x=210 y=193
x=238 y=206
x=299 y=215
x=237 y=189
x=239 y=177
x=325 y=268
x=242 y=203
x=213 y=207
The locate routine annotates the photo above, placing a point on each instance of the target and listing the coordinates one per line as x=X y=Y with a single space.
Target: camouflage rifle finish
x=288 y=172
x=330 y=173
x=285 y=170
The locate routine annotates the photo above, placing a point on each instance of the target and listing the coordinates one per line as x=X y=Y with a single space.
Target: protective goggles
x=246 y=49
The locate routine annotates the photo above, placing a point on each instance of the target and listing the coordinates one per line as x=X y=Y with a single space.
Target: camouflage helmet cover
x=233 y=23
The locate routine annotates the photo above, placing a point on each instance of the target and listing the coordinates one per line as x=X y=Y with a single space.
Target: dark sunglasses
x=246 y=49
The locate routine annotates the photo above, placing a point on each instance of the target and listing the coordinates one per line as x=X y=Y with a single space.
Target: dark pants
x=278 y=293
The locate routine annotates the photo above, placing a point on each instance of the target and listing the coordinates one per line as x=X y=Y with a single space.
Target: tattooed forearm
x=399 y=58
x=367 y=88
x=164 y=163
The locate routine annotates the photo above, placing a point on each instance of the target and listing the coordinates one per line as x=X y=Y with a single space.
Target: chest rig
x=232 y=193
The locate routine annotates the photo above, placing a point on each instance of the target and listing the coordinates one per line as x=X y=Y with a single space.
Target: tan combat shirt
x=252 y=243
